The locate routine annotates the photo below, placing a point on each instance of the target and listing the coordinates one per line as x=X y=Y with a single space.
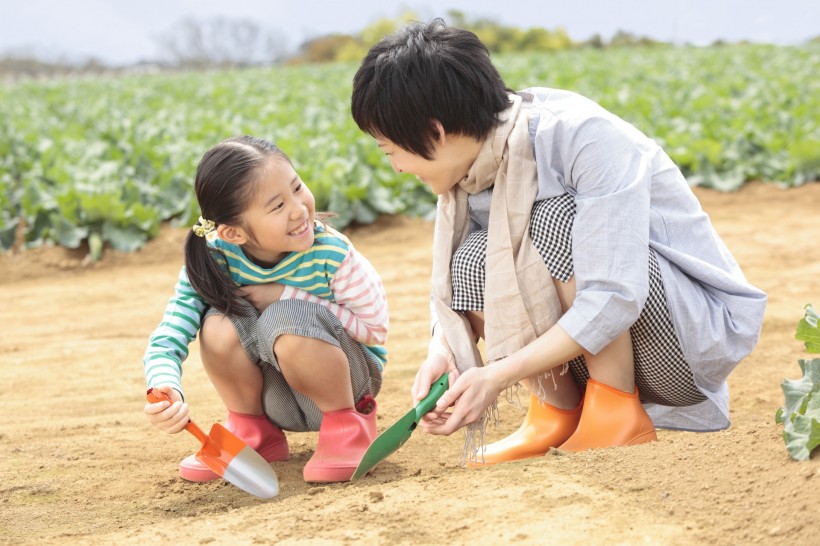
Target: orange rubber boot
x=544 y=427
x=256 y=431
x=610 y=418
x=344 y=436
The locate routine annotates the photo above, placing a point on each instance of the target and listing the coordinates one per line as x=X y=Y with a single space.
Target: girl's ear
x=232 y=234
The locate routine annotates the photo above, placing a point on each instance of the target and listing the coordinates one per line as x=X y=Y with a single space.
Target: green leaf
x=66 y=233
x=381 y=199
x=802 y=432
x=124 y=238
x=341 y=207
x=364 y=213
x=37 y=232
x=102 y=207
x=8 y=231
x=801 y=414
x=808 y=331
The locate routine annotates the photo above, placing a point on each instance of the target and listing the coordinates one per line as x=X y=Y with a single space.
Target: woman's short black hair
x=423 y=73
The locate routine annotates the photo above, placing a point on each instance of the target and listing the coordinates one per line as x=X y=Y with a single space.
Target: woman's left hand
x=472 y=393
x=262 y=295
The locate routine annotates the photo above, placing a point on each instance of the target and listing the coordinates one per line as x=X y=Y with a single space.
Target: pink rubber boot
x=344 y=436
x=256 y=431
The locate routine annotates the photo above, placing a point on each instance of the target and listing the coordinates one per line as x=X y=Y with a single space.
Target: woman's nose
x=395 y=165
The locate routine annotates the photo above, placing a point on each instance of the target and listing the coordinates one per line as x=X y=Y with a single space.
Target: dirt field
x=80 y=464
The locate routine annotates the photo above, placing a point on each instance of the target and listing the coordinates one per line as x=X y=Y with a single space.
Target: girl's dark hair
x=428 y=72
x=225 y=184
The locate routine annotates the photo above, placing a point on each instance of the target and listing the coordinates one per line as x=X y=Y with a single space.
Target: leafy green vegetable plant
x=801 y=414
x=105 y=161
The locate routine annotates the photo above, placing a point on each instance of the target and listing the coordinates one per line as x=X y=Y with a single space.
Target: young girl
x=569 y=241
x=292 y=318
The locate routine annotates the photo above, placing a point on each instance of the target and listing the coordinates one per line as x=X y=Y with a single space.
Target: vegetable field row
x=107 y=160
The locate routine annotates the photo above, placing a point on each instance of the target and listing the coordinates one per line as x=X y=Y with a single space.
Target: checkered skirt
x=661 y=372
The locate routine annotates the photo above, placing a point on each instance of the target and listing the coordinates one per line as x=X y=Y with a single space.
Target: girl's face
x=280 y=216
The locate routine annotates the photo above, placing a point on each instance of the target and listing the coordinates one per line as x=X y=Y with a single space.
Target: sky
x=123 y=32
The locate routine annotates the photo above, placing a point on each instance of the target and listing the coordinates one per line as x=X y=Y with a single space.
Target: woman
x=569 y=241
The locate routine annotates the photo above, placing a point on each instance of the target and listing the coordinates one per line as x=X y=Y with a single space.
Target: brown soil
x=80 y=464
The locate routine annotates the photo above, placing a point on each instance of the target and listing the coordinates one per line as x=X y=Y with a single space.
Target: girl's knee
x=218 y=336
x=292 y=348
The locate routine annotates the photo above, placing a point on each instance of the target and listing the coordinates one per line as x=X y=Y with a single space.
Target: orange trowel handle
x=155 y=395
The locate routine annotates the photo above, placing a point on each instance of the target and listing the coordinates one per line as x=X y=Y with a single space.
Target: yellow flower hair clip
x=203 y=227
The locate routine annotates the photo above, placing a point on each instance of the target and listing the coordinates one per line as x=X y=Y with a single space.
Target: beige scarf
x=520 y=302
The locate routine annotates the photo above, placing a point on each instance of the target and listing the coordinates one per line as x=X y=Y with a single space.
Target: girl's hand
x=262 y=295
x=170 y=417
x=470 y=396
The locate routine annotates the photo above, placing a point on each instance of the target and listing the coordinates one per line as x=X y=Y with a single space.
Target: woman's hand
x=439 y=360
x=170 y=417
x=470 y=396
x=262 y=295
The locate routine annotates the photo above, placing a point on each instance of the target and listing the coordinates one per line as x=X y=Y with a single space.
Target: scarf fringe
x=513 y=395
x=474 y=435
x=539 y=390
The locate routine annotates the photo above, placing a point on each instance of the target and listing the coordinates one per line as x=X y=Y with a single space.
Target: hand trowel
x=394 y=437
x=230 y=457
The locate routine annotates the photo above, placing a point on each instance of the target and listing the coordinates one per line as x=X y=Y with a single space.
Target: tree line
x=497 y=37
x=223 y=42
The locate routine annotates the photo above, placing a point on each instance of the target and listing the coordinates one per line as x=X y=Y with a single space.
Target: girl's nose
x=298 y=212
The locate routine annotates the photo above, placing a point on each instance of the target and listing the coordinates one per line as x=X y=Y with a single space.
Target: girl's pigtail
x=208 y=278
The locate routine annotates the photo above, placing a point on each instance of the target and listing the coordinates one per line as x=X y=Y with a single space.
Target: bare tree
x=221 y=42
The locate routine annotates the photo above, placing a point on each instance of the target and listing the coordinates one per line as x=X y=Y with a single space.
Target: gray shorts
x=287 y=408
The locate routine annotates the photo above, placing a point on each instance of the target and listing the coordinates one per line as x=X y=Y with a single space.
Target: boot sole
x=202 y=474
x=644 y=438
x=479 y=464
x=329 y=475
x=197 y=475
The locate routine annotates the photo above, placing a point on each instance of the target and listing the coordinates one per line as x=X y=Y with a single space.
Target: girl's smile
x=301 y=230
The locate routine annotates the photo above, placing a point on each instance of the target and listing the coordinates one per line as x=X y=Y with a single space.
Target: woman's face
x=453 y=155
x=281 y=213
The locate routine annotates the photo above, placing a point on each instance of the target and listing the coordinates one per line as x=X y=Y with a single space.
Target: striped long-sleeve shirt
x=331 y=273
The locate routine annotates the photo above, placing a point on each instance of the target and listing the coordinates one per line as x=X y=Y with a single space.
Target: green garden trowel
x=394 y=437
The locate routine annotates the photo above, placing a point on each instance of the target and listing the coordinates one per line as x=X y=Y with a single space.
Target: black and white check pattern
x=661 y=372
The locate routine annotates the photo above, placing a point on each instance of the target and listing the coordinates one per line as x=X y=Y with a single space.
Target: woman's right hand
x=170 y=417
x=439 y=360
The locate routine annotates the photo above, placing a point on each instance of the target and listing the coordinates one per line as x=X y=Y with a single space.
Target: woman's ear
x=232 y=234
x=439 y=129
